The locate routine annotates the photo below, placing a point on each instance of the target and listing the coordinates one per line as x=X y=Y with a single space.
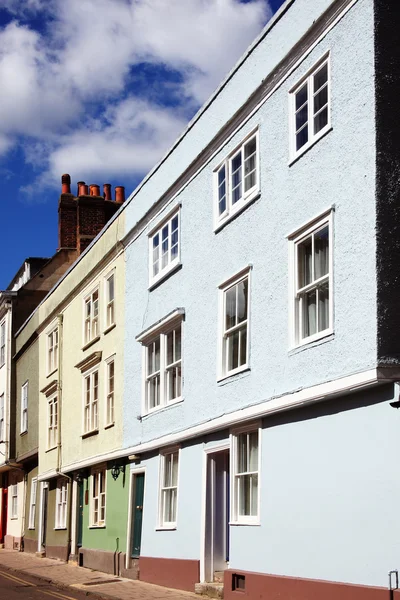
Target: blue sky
x=100 y=89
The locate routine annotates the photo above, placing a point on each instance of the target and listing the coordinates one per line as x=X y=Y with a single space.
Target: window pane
x=250 y=164
x=174 y=472
x=242 y=289
x=233 y=350
x=111 y=288
x=301 y=117
x=320 y=99
x=323 y=307
x=170 y=347
x=230 y=307
x=156 y=251
x=253 y=451
x=165 y=245
x=309 y=314
x=236 y=166
x=242 y=453
x=302 y=138
x=301 y=96
x=221 y=190
x=321 y=120
x=154 y=391
x=243 y=346
x=321 y=252
x=174 y=237
x=320 y=77
x=178 y=343
x=304 y=258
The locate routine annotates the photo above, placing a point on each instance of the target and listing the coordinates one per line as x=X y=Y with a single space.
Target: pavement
x=93 y=583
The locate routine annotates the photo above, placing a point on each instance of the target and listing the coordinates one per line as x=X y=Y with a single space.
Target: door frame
x=133 y=472
x=222 y=447
x=43 y=485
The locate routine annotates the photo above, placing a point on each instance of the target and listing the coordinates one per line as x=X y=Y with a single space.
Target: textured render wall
x=339 y=170
x=4 y=383
x=27 y=370
x=265 y=57
x=329 y=494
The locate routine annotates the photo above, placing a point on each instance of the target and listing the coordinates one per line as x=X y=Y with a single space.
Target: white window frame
x=2 y=418
x=32 y=503
x=52 y=421
x=91 y=317
x=223 y=371
x=158 y=231
x=24 y=407
x=52 y=350
x=231 y=209
x=2 y=343
x=14 y=501
x=100 y=498
x=90 y=404
x=164 y=490
x=295 y=320
x=110 y=393
x=236 y=518
x=308 y=80
x=109 y=302
x=161 y=334
x=61 y=504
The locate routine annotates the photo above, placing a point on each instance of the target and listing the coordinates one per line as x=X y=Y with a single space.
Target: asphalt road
x=24 y=587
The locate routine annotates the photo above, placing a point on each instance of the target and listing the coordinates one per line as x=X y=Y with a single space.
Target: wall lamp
x=116 y=470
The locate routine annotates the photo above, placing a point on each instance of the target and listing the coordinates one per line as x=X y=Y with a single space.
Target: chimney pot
x=65 y=184
x=94 y=189
x=107 y=191
x=81 y=188
x=119 y=194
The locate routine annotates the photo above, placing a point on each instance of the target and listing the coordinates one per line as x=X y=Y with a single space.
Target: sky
x=100 y=89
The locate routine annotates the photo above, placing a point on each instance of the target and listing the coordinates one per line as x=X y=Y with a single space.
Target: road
x=14 y=587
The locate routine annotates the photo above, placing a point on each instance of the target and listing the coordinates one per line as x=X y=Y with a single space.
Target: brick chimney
x=82 y=217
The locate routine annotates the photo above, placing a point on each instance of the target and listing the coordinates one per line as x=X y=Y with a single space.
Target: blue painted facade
x=328 y=473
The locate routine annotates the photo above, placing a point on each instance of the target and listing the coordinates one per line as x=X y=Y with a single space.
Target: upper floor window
x=312 y=276
x=91 y=316
x=163 y=364
x=2 y=343
x=110 y=300
x=246 y=476
x=24 y=408
x=169 y=489
x=52 y=422
x=52 y=350
x=2 y=429
x=98 y=498
x=90 y=402
x=310 y=108
x=236 y=180
x=164 y=247
x=235 y=325
x=110 y=380
x=61 y=504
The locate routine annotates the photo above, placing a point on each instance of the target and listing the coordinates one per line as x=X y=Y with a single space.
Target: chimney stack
x=107 y=191
x=65 y=184
x=119 y=194
x=94 y=189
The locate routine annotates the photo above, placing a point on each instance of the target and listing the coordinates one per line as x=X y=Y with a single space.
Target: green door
x=137 y=515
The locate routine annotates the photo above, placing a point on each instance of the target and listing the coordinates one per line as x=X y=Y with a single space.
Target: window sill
x=237 y=211
x=89 y=433
x=172 y=528
x=96 y=527
x=309 y=145
x=31 y=528
x=161 y=408
x=245 y=523
x=154 y=283
x=327 y=336
x=109 y=328
x=109 y=426
x=93 y=341
x=52 y=372
x=59 y=529
x=23 y=433
x=223 y=379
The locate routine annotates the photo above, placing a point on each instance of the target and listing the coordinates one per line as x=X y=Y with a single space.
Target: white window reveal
x=235 y=326
x=110 y=379
x=61 y=504
x=32 y=504
x=310 y=108
x=91 y=400
x=52 y=422
x=52 y=354
x=98 y=499
x=24 y=408
x=2 y=343
x=313 y=282
x=110 y=299
x=237 y=180
x=246 y=476
x=91 y=324
x=163 y=367
x=164 y=248
x=169 y=489
x=2 y=428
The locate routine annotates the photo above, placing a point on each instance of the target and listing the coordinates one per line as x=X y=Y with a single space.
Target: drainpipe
x=25 y=487
x=59 y=388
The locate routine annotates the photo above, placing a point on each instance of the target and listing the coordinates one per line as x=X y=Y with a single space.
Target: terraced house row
x=202 y=383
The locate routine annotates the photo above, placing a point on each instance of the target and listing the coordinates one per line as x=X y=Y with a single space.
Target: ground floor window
x=246 y=476
x=98 y=498
x=61 y=504
x=169 y=488
x=32 y=504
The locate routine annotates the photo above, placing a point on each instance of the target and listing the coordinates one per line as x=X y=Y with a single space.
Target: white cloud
x=57 y=83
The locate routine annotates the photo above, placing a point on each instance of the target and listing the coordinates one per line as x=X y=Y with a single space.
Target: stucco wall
x=27 y=370
x=337 y=171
